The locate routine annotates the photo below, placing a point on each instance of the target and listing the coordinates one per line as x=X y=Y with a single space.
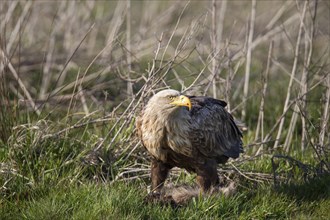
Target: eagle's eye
x=172 y=97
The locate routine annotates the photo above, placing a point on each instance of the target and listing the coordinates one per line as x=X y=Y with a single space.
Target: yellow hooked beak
x=182 y=101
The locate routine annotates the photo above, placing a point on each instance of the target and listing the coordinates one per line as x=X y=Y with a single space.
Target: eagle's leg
x=207 y=175
x=159 y=172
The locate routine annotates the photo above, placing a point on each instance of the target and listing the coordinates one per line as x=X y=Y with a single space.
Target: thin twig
x=248 y=58
x=260 y=125
x=18 y=79
x=293 y=72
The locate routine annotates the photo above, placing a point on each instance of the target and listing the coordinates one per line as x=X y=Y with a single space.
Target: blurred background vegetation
x=75 y=74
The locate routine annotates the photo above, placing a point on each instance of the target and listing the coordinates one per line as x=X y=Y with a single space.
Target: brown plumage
x=194 y=133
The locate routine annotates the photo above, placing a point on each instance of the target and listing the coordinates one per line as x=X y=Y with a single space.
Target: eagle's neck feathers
x=166 y=127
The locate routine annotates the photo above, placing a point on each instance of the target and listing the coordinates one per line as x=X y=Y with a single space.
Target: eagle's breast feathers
x=205 y=131
x=158 y=135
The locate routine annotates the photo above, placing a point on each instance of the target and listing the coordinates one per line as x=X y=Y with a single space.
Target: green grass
x=125 y=201
x=53 y=181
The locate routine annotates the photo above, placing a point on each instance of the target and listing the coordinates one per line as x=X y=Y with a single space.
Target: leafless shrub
x=110 y=57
